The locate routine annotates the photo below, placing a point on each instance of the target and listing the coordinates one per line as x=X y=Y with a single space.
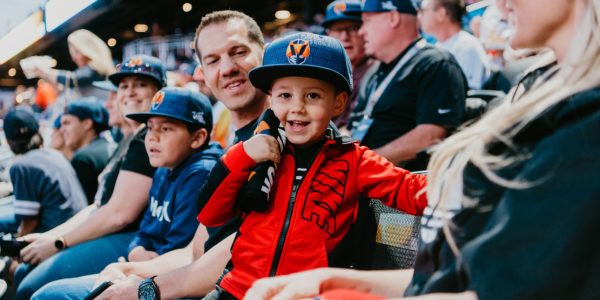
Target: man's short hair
x=217 y=17
x=454 y=8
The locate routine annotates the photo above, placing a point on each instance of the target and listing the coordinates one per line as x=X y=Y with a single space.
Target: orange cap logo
x=297 y=51
x=157 y=99
x=134 y=61
x=339 y=8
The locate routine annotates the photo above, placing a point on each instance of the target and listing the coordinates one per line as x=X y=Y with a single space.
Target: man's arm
x=167 y=262
x=194 y=280
x=407 y=146
x=124 y=207
x=198 y=278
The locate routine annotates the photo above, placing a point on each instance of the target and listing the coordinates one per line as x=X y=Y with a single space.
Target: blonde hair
x=577 y=73
x=92 y=47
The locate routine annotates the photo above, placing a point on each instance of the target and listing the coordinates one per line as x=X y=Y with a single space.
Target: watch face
x=59 y=244
x=147 y=291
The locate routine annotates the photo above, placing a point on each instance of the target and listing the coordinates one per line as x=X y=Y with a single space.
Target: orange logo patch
x=157 y=99
x=339 y=8
x=262 y=126
x=134 y=61
x=297 y=51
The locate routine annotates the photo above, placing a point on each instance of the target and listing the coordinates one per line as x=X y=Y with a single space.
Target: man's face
x=427 y=16
x=73 y=130
x=115 y=118
x=347 y=33
x=375 y=31
x=227 y=55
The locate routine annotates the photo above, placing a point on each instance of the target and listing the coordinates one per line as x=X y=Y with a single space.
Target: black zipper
x=286 y=227
x=288 y=216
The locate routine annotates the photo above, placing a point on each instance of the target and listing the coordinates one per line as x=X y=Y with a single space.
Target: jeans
x=83 y=259
x=67 y=289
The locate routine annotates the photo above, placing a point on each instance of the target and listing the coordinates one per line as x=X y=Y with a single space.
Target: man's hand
x=113 y=272
x=124 y=289
x=41 y=247
x=139 y=253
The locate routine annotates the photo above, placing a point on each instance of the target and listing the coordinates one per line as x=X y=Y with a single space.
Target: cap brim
x=143 y=117
x=263 y=77
x=347 y=16
x=117 y=77
x=105 y=85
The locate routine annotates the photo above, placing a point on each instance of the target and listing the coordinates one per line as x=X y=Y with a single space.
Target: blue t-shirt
x=45 y=187
x=170 y=219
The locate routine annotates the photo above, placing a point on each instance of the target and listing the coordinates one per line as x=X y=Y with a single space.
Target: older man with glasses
x=342 y=21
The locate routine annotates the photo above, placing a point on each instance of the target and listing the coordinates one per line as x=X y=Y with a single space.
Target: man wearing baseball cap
x=115 y=117
x=417 y=95
x=45 y=185
x=81 y=125
x=342 y=21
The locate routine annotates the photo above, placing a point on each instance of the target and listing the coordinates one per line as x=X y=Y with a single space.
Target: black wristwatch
x=60 y=243
x=148 y=290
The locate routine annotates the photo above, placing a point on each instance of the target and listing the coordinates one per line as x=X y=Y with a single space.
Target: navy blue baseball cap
x=402 y=6
x=180 y=104
x=87 y=109
x=56 y=123
x=20 y=125
x=342 y=10
x=304 y=55
x=140 y=65
x=105 y=85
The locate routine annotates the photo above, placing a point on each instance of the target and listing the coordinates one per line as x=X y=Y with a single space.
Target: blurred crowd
x=247 y=168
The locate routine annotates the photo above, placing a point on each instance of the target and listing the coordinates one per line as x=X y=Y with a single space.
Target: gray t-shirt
x=45 y=187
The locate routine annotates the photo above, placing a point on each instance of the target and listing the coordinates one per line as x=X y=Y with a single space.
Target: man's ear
x=395 y=19
x=198 y=138
x=339 y=104
x=87 y=124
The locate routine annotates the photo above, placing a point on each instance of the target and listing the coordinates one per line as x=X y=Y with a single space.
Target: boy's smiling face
x=305 y=106
x=168 y=142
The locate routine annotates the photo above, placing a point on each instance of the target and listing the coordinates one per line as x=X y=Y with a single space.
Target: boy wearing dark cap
x=321 y=174
x=45 y=185
x=179 y=125
x=81 y=125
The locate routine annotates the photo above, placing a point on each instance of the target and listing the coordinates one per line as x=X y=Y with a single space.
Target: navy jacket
x=170 y=219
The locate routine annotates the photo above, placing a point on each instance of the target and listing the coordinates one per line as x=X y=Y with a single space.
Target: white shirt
x=470 y=55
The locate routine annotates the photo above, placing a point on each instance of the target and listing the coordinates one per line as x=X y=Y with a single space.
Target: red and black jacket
x=306 y=218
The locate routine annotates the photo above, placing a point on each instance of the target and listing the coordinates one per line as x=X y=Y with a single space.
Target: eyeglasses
x=338 y=30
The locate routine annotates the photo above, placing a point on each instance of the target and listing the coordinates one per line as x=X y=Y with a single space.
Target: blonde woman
x=514 y=199
x=94 y=62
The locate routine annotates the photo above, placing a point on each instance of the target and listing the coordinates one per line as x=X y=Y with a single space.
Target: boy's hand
x=140 y=254
x=262 y=147
x=113 y=272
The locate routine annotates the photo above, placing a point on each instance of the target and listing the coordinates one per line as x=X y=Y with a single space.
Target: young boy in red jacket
x=320 y=177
